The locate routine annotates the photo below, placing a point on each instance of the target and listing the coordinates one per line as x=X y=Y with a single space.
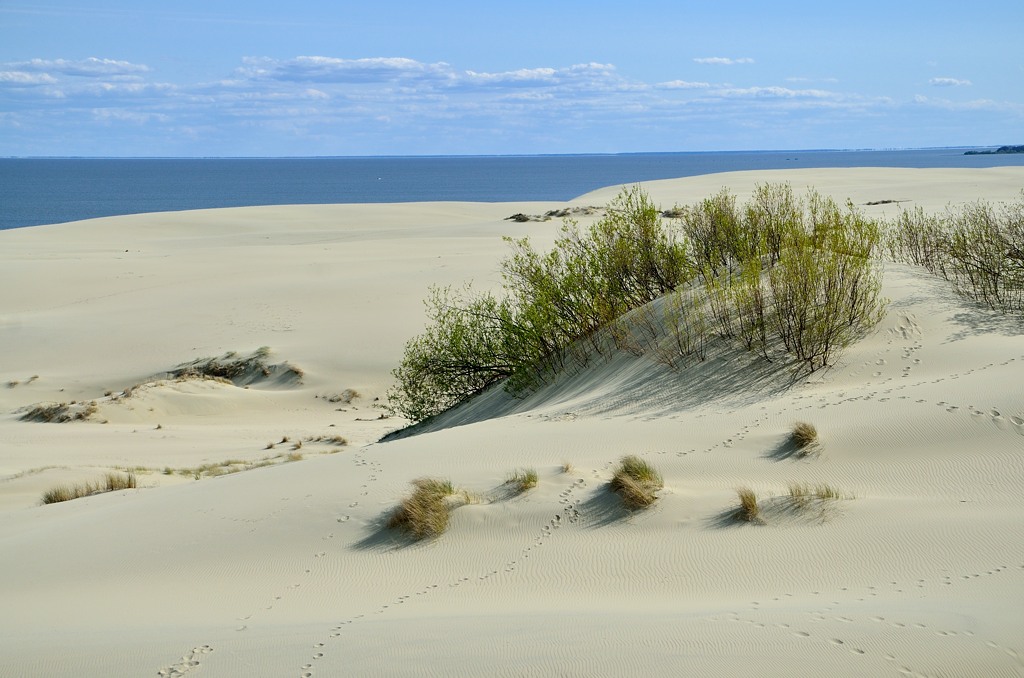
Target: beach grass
x=424 y=513
x=636 y=482
x=109 y=483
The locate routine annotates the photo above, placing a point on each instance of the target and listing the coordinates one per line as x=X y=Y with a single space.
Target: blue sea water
x=37 y=191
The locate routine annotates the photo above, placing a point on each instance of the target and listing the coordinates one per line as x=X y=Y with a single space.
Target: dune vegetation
x=792 y=279
x=112 y=482
x=978 y=247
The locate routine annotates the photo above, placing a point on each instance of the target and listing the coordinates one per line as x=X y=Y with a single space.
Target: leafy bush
x=779 y=274
x=589 y=279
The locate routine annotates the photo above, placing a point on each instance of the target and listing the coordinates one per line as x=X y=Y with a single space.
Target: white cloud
x=91 y=67
x=803 y=79
x=948 y=82
x=21 y=78
x=330 y=69
x=683 y=84
x=775 y=93
x=723 y=61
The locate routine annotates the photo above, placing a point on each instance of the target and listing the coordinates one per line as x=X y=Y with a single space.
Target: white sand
x=283 y=571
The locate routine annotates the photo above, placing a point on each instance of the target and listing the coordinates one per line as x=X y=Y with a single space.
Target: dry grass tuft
x=804 y=436
x=749 y=510
x=636 y=482
x=59 y=413
x=802 y=494
x=424 y=514
x=110 y=483
x=522 y=480
x=567 y=467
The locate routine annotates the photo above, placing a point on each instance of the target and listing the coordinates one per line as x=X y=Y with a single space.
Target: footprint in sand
x=1018 y=424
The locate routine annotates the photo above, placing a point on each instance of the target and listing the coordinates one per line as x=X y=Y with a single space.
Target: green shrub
x=780 y=272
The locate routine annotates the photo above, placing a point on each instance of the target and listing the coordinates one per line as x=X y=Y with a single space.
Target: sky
x=252 y=78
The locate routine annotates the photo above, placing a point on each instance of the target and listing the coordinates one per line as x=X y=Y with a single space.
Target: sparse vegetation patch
x=424 y=513
x=749 y=510
x=110 y=483
x=236 y=369
x=522 y=480
x=636 y=482
x=59 y=413
x=805 y=438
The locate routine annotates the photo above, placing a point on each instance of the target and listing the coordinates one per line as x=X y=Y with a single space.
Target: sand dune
x=288 y=569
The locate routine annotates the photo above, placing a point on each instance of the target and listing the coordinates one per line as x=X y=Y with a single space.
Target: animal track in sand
x=186 y=663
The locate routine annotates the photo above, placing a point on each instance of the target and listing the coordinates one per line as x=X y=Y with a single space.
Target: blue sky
x=298 y=78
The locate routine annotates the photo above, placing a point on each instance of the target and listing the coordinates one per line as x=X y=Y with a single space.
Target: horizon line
x=483 y=155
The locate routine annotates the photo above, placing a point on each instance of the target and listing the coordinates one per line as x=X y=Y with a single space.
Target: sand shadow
x=731 y=518
x=603 y=508
x=787 y=448
x=380 y=537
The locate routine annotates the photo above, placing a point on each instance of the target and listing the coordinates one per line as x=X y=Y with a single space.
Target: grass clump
x=749 y=510
x=110 y=483
x=804 y=437
x=59 y=413
x=802 y=493
x=424 y=513
x=240 y=371
x=636 y=482
x=522 y=480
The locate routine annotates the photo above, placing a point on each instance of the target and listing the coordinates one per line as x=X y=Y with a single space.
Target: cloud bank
x=948 y=82
x=723 y=61
x=326 y=105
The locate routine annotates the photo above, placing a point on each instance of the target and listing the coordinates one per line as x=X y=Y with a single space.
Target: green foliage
x=778 y=272
x=801 y=273
x=978 y=247
x=551 y=301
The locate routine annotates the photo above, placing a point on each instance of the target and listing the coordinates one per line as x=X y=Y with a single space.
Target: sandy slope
x=286 y=571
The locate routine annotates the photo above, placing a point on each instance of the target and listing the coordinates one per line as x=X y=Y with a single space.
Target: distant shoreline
x=998 y=151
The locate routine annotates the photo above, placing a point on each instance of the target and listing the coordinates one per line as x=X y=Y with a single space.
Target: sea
x=35 y=191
